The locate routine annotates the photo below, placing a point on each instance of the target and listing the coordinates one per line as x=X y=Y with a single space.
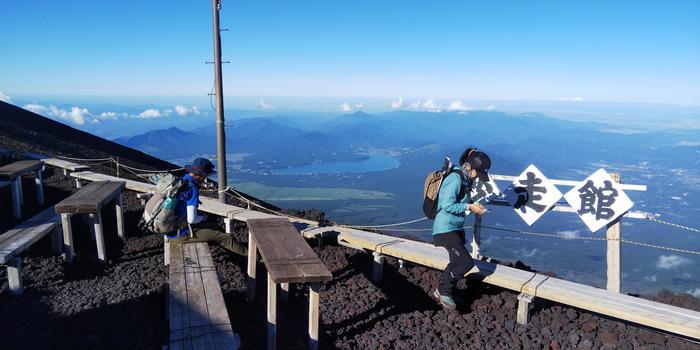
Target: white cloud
x=679 y=144
x=490 y=108
x=265 y=106
x=109 y=115
x=5 y=98
x=76 y=115
x=569 y=99
x=672 y=261
x=459 y=106
x=695 y=292
x=398 y=104
x=570 y=234
x=428 y=105
x=150 y=113
x=346 y=107
x=183 y=110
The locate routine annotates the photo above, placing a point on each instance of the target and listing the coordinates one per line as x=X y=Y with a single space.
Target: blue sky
x=634 y=51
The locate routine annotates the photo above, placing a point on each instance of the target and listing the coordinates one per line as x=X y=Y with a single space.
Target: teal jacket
x=450 y=212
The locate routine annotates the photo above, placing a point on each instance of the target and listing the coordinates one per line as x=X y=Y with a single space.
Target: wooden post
x=78 y=184
x=476 y=240
x=166 y=251
x=314 y=301
x=56 y=244
x=67 y=236
x=284 y=291
x=119 y=207
x=378 y=267
x=524 y=308
x=271 y=313
x=14 y=276
x=65 y=172
x=20 y=190
x=39 y=182
x=229 y=225
x=16 y=200
x=252 y=257
x=99 y=236
x=613 y=249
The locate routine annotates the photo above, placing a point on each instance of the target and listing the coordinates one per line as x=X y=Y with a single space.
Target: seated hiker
x=187 y=205
x=453 y=205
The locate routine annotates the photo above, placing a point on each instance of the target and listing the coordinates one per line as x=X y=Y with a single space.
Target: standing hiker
x=187 y=205
x=453 y=206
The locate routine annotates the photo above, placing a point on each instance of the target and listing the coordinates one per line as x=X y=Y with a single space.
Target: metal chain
x=672 y=224
x=386 y=225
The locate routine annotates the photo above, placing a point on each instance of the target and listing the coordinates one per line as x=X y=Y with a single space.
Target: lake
x=373 y=163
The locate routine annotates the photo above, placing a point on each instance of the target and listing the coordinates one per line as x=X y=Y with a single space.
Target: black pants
x=460 y=259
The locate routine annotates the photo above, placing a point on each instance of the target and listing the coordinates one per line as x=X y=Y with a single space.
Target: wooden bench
x=649 y=313
x=13 y=172
x=90 y=200
x=288 y=259
x=16 y=240
x=197 y=312
x=67 y=166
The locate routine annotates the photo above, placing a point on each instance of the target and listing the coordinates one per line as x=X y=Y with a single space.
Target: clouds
x=667 y=262
x=431 y=105
x=151 y=113
x=76 y=115
x=346 y=107
x=264 y=106
x=183 y=111
x=5 y=98
x=569 y=99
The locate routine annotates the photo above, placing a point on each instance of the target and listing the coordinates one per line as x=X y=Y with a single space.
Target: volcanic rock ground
x=121 y=305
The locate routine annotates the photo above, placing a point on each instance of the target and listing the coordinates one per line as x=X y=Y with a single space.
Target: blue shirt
x=451 y=211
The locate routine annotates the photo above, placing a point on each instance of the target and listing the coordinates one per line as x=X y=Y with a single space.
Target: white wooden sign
x=484 y=192
x=532 y=194
x=598 y=200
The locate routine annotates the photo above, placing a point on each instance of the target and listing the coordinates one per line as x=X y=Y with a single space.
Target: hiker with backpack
x=173 y=209
x=448 y=202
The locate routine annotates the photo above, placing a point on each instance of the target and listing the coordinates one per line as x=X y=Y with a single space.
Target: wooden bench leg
x=524 y=308
x=78 y=184
x=252 y=257
x=16 y=199
x=284 y=291
x=229 y=225
x=39 y=182
x=119 y=207
x=314 y=299
x=99 y=236
x=14 y=276
x=56 y=244
x=378 y=267
x=166 y=251
x=67 y=237
x=271 y=314
x=20 y=189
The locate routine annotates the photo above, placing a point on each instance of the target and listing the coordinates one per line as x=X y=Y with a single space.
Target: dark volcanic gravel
x=121 y=305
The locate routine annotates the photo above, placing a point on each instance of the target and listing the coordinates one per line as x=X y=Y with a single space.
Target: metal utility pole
x=220 y=133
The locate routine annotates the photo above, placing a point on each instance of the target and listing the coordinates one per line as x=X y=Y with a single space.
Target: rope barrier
x=652 y=219
x=84 y=159
x=385 y=225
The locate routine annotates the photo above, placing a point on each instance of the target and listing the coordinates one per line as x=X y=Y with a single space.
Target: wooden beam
x=39 y=182
x=613 y=250
x=166 y=250
x=16 y=199
x=377 y=267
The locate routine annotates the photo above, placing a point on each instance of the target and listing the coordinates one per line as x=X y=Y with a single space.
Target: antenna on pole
x=220 y=133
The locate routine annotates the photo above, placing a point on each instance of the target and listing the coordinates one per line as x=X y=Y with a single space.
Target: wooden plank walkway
x=198 y=316
x=661 y=316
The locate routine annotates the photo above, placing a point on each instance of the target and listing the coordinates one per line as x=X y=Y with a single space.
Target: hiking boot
x=446 y=300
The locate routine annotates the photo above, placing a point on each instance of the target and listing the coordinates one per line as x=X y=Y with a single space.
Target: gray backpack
x=159 y=213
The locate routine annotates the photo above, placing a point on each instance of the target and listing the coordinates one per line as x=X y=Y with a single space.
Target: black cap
x=480 y=162
x=201 y=166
